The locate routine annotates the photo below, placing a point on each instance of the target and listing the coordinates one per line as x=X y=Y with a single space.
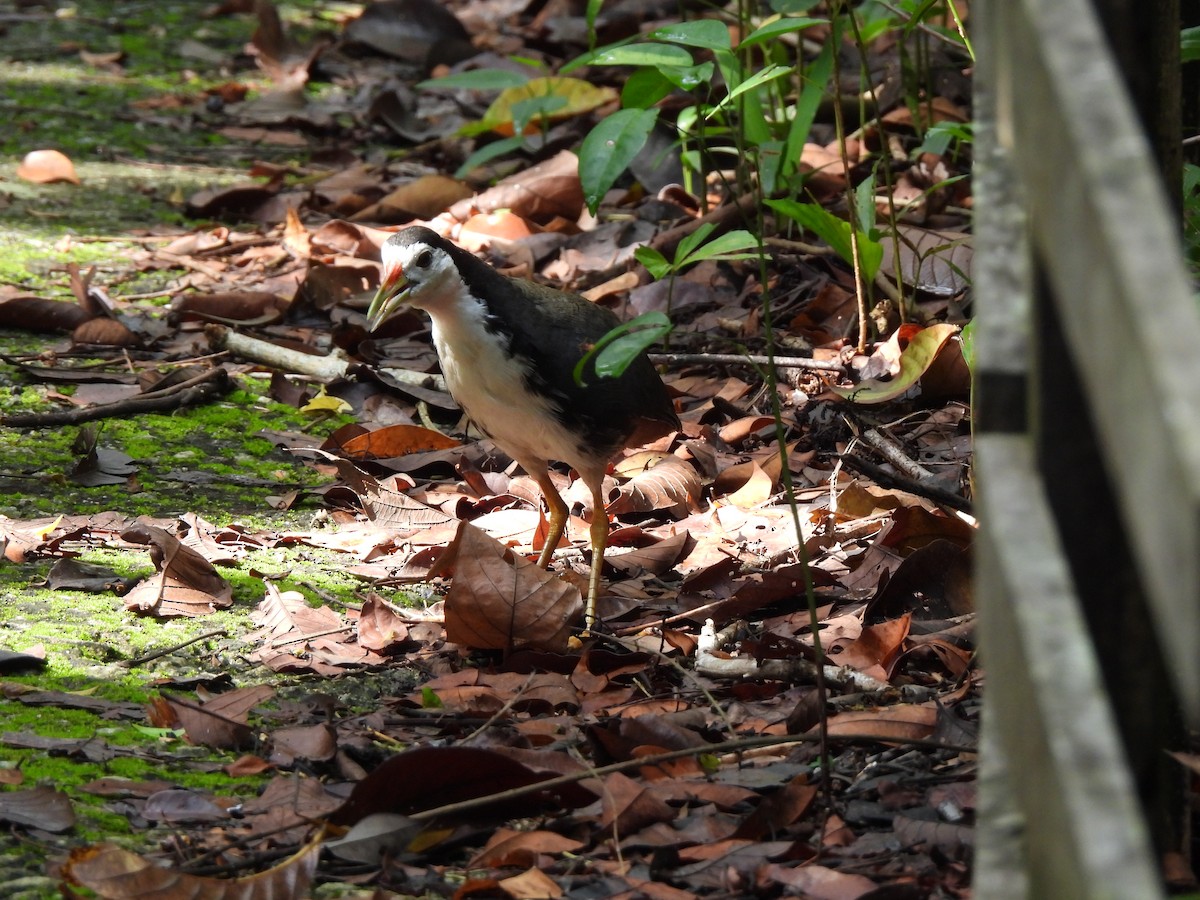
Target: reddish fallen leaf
x=507 y=848
x=876 y=648
x=628 y=806
x=311 y=743
x=397 y=440
x=903 y=722
x=247 y=765
x=47 y=167
x=498 y=601
x=379 y=628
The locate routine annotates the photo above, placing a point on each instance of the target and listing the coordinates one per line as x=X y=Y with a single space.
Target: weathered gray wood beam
x=1084 y=836
x=1098 y=218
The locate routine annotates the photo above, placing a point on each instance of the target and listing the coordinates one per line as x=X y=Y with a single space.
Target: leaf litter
x=698 y=746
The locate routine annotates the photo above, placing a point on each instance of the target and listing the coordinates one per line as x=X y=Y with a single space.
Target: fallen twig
x=187 y=393
x=746 y=359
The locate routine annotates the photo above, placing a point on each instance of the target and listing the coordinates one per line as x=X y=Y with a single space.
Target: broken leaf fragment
x=47 y=167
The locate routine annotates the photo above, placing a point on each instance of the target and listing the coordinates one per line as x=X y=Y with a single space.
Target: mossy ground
x=139 y=156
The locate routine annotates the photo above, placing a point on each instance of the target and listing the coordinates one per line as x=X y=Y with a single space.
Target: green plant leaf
x=707 y=33
x=489 y=152
x=914 y=360
x=656 y=264
x=833 y=231
x=641 y=55
x=728 y=246
x=968 y=345
x=644 y=88
x=1189 y=40
x=478 y=80
x=793 y=7
x=811 y=93
x=687 y=246
x=535 y=109
x=609 y=148
x=593 y=10
x=772 y=30
x=688 y=78
x=616 y=350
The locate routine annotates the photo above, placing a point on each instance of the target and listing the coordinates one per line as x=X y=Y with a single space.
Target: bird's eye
x=424 y=258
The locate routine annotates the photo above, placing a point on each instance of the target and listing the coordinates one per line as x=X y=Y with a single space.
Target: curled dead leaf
x=47 y=167
x=498 y=601
x=656 y=481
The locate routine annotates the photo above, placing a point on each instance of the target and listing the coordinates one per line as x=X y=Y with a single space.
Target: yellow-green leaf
x=574 y=97
x=914 y=360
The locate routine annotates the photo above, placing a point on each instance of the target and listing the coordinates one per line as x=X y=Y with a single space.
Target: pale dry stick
x=165 y=651
x=747 y=359
x=327 y=368
x=798 y=246
x=890 y=450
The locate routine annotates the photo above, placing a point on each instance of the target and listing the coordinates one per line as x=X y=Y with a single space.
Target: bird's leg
x=599 y=537
x=558 y=514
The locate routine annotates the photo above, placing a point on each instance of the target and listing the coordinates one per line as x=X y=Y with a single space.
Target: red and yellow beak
x=392 y=294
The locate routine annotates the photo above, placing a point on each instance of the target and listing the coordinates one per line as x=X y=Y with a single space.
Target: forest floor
x=226 y=585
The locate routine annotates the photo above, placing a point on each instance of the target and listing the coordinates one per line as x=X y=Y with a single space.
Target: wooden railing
x=1087 y=468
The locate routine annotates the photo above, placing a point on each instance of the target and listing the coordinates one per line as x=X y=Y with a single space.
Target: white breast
x=491 y=388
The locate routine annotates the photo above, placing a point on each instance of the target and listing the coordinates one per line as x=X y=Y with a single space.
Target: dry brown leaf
x=657 y=481
x=903 y=722
x=105 y=332
x=745 y=485
x=47 y=167
x=230 y=307
x=820 y=882
x=38 y=807
x=628 y=806
x=186 y=583
x=117 y=874
x=422 y=198
x=497 y=601
x=532 y=884
x=507 y=847
x=549 y=189
x=378 y=627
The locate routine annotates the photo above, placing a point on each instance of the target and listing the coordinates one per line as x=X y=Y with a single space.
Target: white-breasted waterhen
x=508 y=349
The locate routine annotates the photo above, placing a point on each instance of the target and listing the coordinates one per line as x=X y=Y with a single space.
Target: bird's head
x=418 y=270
